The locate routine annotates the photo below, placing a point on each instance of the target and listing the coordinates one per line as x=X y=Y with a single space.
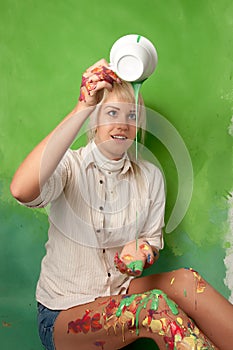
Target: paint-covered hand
x=96 y=78
x=134 y=257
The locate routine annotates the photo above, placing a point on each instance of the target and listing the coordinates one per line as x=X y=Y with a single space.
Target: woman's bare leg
x=212 y=313
x=113 y=322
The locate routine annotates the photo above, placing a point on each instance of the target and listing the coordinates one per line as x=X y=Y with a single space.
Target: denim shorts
x=46 y=319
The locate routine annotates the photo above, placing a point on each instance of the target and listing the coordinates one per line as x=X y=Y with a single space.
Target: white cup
x=133 y=58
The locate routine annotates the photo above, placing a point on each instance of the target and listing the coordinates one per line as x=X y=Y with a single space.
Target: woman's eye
x=112 y=113
x=132 y=116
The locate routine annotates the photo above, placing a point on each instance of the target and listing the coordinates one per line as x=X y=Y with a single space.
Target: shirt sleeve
x=152 y=230
x=54 y=185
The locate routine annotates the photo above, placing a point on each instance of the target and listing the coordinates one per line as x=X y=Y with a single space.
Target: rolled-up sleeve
x=54 y=185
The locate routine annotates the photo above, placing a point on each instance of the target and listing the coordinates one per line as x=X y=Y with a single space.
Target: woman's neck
x=105 y=162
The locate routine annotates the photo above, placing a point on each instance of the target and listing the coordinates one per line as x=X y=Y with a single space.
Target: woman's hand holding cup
x=95 y=79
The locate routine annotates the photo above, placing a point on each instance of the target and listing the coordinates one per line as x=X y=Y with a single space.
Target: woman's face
x=116 y=128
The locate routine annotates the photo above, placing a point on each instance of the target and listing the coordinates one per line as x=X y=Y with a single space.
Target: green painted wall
x=44 y=48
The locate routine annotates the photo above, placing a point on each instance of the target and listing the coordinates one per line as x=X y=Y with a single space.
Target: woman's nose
x=122 y=123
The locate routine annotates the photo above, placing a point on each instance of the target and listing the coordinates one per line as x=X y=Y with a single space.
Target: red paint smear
x=85 y=323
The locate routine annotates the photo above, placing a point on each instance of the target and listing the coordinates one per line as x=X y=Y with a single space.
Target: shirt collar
x=89 y=159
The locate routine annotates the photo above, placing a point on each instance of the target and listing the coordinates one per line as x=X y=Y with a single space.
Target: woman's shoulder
x=78 y=154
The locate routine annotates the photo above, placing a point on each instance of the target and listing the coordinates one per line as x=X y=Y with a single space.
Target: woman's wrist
x=82 y=105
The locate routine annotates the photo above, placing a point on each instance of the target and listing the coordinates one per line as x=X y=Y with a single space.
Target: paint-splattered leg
x=210 y=310
x=112 y=323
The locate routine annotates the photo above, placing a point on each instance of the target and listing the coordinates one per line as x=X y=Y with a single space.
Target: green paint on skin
x=151 y=296
x=125 y=302
x=136 y=265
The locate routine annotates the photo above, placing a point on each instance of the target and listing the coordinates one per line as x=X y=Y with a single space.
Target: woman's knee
x=185 y=288
x=191 y=277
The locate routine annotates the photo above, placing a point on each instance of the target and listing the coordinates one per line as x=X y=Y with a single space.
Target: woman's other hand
x=135 y=256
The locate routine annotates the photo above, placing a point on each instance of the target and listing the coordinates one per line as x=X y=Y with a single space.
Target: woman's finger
x=104 y=73
x=99 y=85
x=100 y=63
x=148 y=253
x=119 y=264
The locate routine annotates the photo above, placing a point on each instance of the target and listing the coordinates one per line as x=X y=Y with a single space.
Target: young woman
x=106 y=218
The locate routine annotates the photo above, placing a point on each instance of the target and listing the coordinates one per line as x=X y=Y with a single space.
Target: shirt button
x=98 y=231
x=109 y=274
x=101 y=181
x=101 y=208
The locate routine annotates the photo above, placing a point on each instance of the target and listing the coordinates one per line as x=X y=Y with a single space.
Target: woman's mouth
x=119 y=137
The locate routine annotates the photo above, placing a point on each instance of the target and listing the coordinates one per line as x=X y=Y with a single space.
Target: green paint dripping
x=151 y=296
x=136 y=87
x=137 y=232
x=125 y=302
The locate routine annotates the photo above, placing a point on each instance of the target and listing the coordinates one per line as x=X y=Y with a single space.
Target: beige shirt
x=95 y=206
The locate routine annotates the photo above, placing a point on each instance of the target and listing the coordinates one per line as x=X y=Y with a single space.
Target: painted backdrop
x=44 y=48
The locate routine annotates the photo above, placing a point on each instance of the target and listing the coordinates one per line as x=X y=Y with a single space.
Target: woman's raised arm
x=41 y=162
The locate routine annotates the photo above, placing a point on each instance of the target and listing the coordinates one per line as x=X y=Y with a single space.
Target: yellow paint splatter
x=128 y=257
x=200 y=282
x=172 y=281
x=179 y=320
x=156 y=326
x=144 y=247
